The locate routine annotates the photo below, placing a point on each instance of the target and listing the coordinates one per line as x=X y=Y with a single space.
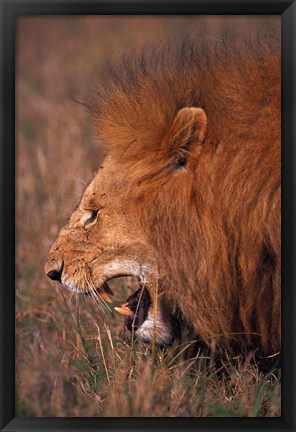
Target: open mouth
x=105 y=292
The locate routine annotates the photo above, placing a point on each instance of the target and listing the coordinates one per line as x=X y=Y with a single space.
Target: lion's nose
x=54 y=270
x=55 y=275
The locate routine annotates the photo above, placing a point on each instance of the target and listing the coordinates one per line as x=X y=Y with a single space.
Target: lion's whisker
x=93 y=296
x=96 y=296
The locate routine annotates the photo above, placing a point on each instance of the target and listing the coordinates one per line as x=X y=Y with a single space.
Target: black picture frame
x=9 y=11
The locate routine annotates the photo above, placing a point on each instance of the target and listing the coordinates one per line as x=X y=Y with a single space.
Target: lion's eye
x=90 y=217
x=93 y=215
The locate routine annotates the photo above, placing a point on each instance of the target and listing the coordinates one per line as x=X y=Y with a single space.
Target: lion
x=189 y=192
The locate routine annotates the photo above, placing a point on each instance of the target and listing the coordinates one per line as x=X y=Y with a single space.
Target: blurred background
x=71 y=358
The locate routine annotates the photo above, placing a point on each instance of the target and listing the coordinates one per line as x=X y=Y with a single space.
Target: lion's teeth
x=123 y=311
x=107 y=289
x=106 y=297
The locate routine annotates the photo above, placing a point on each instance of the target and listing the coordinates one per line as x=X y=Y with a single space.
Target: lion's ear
x=186 y=134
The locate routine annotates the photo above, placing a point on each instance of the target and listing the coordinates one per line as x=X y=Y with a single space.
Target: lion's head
x=102 y=239
x=189 y=192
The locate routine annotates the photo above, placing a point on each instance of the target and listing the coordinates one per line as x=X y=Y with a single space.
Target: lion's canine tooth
x=107 y=289
x=106 y=297
x=123 y=311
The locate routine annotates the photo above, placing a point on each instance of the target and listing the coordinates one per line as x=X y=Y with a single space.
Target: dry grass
x=71 y=358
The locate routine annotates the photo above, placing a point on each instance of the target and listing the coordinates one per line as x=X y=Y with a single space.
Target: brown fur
x=202 y=187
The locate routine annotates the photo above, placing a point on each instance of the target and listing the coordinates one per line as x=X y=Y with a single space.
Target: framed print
x=147 y=215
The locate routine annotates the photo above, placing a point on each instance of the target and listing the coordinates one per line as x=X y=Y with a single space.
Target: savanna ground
x=72 y=359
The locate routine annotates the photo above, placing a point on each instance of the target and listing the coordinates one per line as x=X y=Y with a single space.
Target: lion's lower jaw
x=155 y=328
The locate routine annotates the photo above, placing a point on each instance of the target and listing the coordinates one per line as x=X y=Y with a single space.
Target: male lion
x=189 y=192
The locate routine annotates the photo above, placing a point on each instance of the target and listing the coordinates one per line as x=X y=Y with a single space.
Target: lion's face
x=102 y=239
